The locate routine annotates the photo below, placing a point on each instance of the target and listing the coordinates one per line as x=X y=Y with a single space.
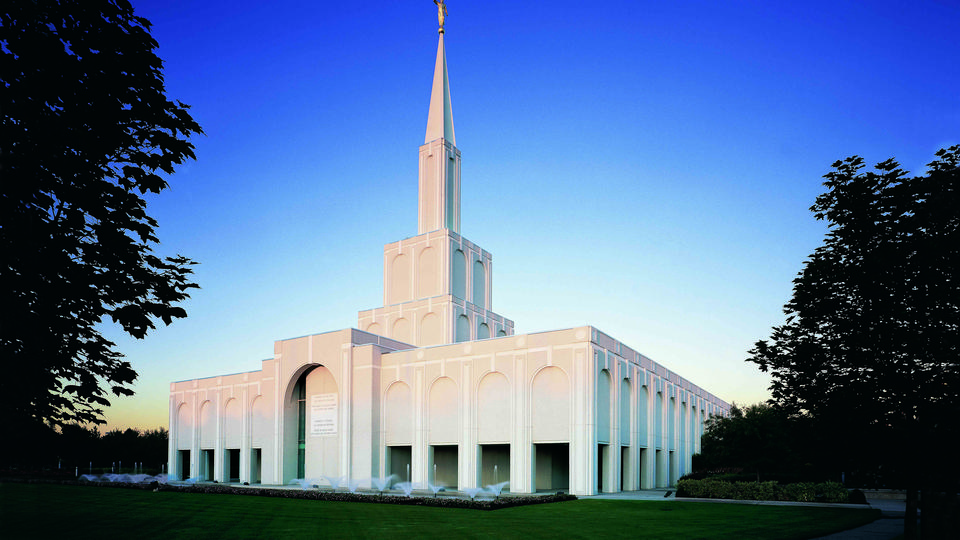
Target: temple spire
x=440 y=117
x=439 y=198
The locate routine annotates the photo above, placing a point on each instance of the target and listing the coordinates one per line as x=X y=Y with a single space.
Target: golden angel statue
x=441 y=12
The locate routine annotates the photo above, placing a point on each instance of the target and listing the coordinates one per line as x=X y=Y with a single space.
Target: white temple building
x=436 y=388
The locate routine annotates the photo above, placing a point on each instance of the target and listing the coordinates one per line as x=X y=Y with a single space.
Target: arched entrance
x=311 y=425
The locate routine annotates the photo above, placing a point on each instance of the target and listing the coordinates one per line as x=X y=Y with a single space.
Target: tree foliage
x=74 y=448
x=871 y=343
x=762 y=440
x=87 y=133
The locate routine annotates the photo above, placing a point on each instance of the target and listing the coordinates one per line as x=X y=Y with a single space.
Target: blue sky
x=643 y=167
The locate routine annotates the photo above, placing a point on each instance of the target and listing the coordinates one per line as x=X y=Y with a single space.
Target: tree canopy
x=82 y=449
x=871 y=343
x=762 y=440
x=87 y=132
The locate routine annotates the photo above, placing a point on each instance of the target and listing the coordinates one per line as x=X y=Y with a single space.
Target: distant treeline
x=40 y=448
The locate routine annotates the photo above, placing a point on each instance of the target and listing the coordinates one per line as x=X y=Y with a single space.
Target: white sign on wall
x=323 y=414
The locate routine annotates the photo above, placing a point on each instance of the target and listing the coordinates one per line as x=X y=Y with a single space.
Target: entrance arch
x=311 y=424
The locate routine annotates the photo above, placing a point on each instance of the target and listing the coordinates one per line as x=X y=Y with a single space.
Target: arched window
x=428 y=282
x=463 y=328
x=625 y=400
x=400 y=280
x=550 y=400
x=603 y=407
x=459 y=277
x=479 y=284
x=430 y=331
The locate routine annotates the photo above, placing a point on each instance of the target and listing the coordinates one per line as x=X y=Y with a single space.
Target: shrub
x=762 y=491
x=735 y=477
x=831 y=492
x=720 y=473
x=801 y=491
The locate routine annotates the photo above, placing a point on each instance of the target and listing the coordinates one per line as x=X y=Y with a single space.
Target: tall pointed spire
x=440 y=117
x=439 y=199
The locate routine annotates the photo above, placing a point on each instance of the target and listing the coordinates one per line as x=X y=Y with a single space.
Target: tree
x=43 y=450
x=767 y=442
x=87 y=132
x=760 y=439
x=871 y=343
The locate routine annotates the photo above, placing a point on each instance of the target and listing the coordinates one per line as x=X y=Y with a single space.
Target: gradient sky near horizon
x=643 y=167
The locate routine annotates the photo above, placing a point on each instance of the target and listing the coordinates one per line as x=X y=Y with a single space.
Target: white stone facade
x=437 y=389
x=437 y=288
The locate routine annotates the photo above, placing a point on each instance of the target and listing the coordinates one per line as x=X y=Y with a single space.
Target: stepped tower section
x=437 y=286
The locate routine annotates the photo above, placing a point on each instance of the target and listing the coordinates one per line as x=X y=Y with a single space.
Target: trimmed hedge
x=832 y=492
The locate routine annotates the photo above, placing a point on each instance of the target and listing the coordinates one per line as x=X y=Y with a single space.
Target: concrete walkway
x=890 y=524
x=882 y=529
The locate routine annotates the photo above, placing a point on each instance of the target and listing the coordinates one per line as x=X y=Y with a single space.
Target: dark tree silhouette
x=760 y=439
x=87 y=132
x=871 y=345
x=74 y=449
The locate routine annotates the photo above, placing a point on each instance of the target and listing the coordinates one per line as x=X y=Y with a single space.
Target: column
x=468 y=475
x=420 y=458
x=522 y=466
x=583 y=441
x=246 y=431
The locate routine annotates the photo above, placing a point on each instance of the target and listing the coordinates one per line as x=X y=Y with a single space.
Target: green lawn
x=35 y=511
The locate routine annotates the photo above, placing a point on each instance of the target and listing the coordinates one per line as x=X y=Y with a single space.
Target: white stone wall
x=437 y=290
x=219 y=414
x=515 y=390
x=439 y=187
x=616 y=410
x=203 y=412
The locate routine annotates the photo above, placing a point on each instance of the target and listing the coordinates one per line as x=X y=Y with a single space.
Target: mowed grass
x=47 y=511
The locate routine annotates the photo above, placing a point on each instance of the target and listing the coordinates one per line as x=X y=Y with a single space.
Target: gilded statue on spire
x=441 y=12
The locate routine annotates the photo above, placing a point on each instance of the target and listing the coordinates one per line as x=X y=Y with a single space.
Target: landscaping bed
x=828 y=492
